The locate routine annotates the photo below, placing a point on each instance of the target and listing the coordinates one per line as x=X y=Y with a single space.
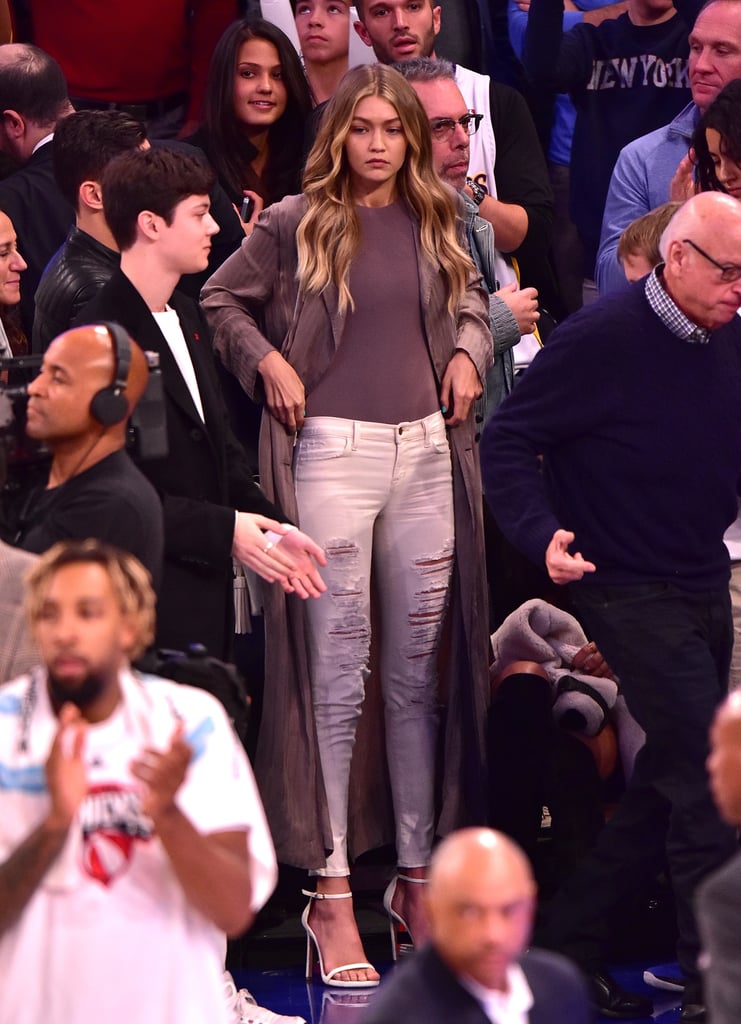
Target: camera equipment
x=147 y=432
x=24 y=462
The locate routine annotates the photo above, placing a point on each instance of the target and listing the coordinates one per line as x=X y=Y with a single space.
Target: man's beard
x=82 y=694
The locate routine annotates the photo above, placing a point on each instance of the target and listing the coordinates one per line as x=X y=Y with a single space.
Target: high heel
x=397 y=925
x=313 y=950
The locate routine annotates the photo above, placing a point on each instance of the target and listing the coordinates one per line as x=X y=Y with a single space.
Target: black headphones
x=110 y=405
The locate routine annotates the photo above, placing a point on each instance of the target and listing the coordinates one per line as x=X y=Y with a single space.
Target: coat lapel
x=429 y=274
x=174 y=382
x=201 y=355
x=145 y=331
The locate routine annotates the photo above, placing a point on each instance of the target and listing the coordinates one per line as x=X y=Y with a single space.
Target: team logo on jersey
x=112 y=824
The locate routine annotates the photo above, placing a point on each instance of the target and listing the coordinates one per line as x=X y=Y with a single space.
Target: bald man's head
x=33 y=98
x=481 y=901
x=724 y=762
x=701 y=248
x=77 y=365
x=702 y=215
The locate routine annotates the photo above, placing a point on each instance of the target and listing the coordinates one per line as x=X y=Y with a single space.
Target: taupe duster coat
x=252 y=305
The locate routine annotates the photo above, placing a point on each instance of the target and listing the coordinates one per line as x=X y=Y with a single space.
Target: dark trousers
x=671 y=650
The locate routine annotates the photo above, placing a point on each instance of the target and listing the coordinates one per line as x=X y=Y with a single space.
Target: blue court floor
x=270 y=962
x=284 y=990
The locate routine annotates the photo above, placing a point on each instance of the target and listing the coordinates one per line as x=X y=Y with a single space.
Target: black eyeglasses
x=729 y=272
x=443 y=127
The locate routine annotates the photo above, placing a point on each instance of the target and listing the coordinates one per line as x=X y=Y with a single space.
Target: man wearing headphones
x=90 y=380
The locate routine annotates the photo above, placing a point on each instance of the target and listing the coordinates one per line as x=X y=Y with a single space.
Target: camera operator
x=90 y=381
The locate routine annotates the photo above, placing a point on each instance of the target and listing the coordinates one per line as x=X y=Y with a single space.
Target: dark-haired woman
x=717 y=143
x=714 y=159
x=255 y=110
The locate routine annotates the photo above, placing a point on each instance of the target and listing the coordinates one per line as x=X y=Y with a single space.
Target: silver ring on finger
x=267 y=547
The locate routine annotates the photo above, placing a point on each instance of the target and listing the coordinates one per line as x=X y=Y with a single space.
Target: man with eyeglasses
x=509 y=178
x=513 y=311
x=729 y=272
x=633 y=407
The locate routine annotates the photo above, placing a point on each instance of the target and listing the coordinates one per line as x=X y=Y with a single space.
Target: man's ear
x=362 y=32
x=128 y=633
x=149 y=224
x=14 y=124
x=676 y=255
x=90 y=195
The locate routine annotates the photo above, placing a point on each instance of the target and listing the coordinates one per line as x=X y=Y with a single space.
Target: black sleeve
x=521 y=172
x=688 y=11
x=45 y=330
x=199 y=532
x=56 y=313
x=554 y=60
x=522 y=177
x=244 y=493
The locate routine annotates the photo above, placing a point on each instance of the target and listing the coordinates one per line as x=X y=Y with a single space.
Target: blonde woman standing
x=355 y=313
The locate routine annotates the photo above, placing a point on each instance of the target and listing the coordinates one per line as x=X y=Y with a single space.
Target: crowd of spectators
x=328 y=283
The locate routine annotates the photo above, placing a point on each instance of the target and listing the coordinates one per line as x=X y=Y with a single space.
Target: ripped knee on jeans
x=349 y=627
x=431 y=601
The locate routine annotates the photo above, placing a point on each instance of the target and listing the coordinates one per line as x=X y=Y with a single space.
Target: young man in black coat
x=156 y=204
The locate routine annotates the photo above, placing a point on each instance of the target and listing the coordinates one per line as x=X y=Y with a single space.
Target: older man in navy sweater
x=634 y=406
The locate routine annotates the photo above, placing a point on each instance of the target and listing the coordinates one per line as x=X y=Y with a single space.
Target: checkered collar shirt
x=669 y=312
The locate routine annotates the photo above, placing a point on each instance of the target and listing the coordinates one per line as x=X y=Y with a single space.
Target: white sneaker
x=244 y=1009
x=665 y=976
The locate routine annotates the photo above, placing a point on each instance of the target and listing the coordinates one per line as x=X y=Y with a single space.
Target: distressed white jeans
x=378 y=495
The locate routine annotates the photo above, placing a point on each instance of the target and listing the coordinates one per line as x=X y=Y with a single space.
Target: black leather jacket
x=75 y=274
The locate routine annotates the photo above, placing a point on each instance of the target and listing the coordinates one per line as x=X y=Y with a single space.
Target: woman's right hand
x=682 y=186
x=284 y=393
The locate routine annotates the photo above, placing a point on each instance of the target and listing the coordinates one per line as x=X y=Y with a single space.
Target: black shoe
x=693 y=1013
x=613 y=1001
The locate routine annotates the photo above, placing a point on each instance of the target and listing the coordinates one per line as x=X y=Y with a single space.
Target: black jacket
x=41 y=217
x=74 y=276
x=202 y=481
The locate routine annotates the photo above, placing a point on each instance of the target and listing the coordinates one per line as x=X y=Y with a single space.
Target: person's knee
x=517 y=668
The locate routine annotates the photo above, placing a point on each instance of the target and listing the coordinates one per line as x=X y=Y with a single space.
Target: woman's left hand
x=257 y=208
x=461 y=385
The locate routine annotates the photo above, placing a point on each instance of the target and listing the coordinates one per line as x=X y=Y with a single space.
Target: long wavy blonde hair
x=329 y=233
